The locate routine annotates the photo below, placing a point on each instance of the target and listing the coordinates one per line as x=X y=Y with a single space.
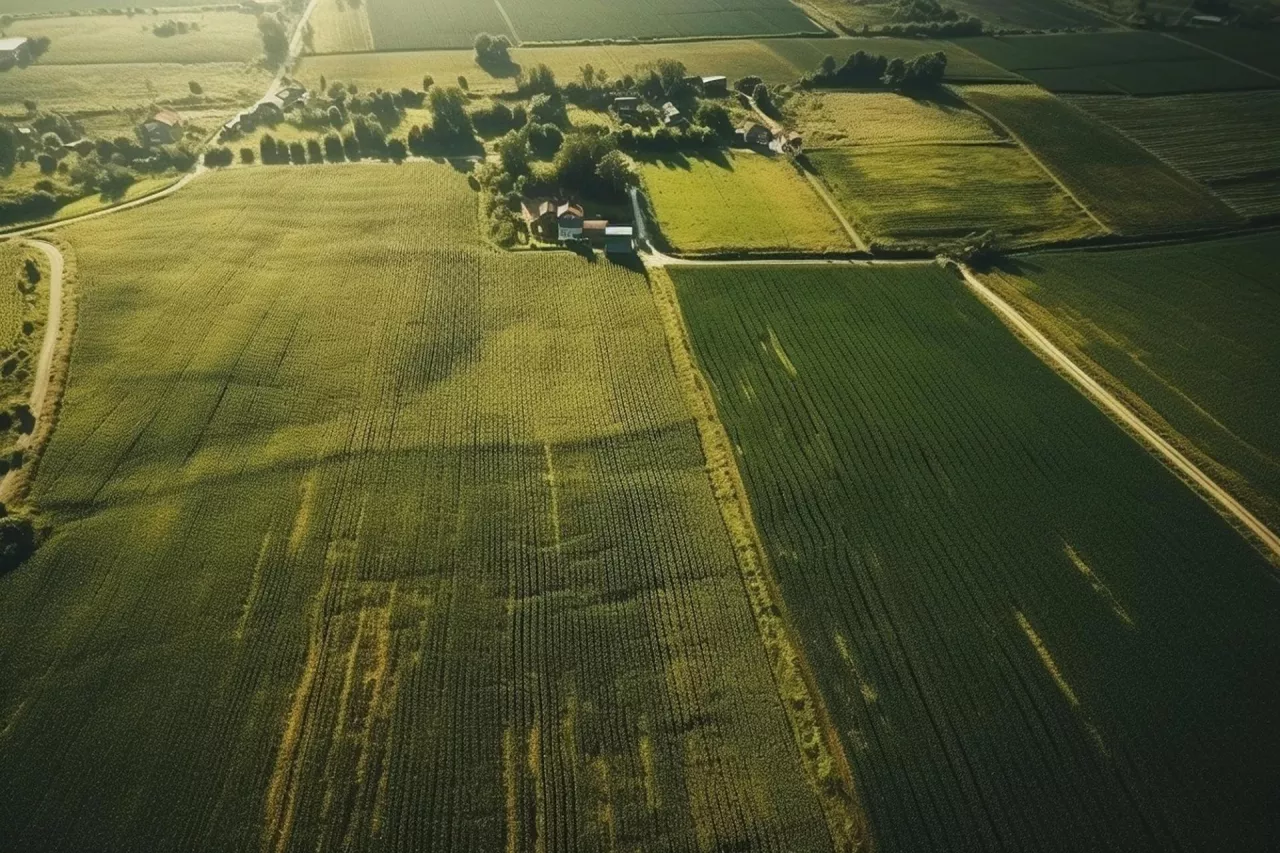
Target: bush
x=48 y=165
x=333 y=148
x=315 y=154
x=218 y=157
x=17 y=541
x=396 y=150
x=246 y=156
x=297 y=153
x=493 y=53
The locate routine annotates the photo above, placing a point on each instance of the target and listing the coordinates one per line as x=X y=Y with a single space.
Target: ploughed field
x=1030 y=634
x=1186 y=334
x=369 y=536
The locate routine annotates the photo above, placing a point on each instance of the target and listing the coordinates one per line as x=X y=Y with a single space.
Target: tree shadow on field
x=681 y=160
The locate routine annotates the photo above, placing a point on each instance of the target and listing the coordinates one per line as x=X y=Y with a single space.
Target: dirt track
x=1114 y=407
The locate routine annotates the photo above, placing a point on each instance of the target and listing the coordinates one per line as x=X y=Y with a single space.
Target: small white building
x=13 y=50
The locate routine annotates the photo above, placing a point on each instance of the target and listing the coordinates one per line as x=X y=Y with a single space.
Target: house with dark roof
x=14 y=50
x=619 y=240
x=568 y=221
x=672 y=117
x=754 y=135
x=714 y=85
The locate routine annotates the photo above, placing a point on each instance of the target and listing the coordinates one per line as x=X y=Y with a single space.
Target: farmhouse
x=754 y=135
x=269 y=110
x=626 y=106
x=619 y=240
x=13 y=50
x=715 y=85
x=289 y=96
x=163 y=128
x=594 y=230
x=568 y=221
x=672 y=117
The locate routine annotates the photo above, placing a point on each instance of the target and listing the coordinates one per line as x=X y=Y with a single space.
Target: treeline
x=863 y=70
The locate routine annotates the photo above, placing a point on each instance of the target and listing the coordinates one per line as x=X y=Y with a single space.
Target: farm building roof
x=569 y=209
x=600 y=225
x=167 y=117
x=11 y=44
x=714 y=78
x=619 y=231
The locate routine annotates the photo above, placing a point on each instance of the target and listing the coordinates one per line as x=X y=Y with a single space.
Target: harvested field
x=1128 y=62
x=1019 y=650
x=340 y=26
x=1187 y=334
x=741 y=201
x=1226 y=141
x=833 y=119
x=1125 y=186
x=99 y=39
x=371 y=536
x=78 y=89
x=926 y=193
x=407 y=24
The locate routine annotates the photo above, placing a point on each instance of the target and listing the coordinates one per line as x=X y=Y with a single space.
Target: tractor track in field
x=1113 y=406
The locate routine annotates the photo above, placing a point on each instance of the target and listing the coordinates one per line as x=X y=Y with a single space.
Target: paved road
x=1126 y=416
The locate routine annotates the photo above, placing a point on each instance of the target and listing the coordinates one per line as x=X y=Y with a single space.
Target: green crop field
x=93 y=40
x=1129 y=62
x=371 y=536
x=338 y=26
x=869 y=118
x=74 y=89
x=925 y=193
x=1121 y=183
x=408 y=24
x=1031 y=14
x=1187 y=334
x=1031 y=635
x=1227 y=141
x=740 y=201
x=1255 y=47
x=24 y=308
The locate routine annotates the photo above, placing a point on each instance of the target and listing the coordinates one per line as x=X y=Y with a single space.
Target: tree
x=297 y=153
x=196 y=88
x=17 y=541
x=427 y=82
x=48 y=165
x=828 y=66
x=514 y=153
x=493 y=53
x=462 y=83
x=315 y=154
x=617 y=172
x=8 y=149
x=545 y=140
x=350 y=148
x=541 y=80
x=246 y=156
x=715 y=118
x=895 y=72
x=32 y=271
x=333 y=148
x=335 y=117
x=764 y=99
x=267 y=148
x=449 y=117
x=275 y=40
x=396 y=150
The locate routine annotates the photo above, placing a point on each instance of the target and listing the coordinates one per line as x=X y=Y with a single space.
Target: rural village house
x=163 y=128
x=619 y=240
x=569 y=221
x=754 y=135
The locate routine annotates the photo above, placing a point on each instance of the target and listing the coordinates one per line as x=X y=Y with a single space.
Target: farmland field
x=1252 y=47
x=1129 y=62
x=1031 y=635
x=414 y=551
x=74 y=89
x=1121 y=183
x=869 y=118
x=408 y=24
x=1030 y=14
x=23 y=309
x=1187 y=333
x=742 y=201
x=98 y=39
x=923 y=193
x=339 y=26
x=1227 y=141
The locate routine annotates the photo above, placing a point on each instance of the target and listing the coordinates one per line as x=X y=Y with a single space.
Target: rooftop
x=12 y=44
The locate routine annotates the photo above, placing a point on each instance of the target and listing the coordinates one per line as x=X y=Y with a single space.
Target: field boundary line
x=52 y=366
x=510 y=26
x=1205 y=485
x=1027 y=148
x=1230 y=59
x=817 y=739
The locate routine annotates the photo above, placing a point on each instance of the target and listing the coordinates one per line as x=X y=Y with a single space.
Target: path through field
x=1203 y=483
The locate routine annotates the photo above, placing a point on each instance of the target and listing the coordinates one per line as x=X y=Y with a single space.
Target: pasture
x=1030 y=634
x=371 y=536
x=99 y=39
x=1227 y=141
x=1186 y=334
x=1121 y=183
x=408 y=24
x=1126 y=62
x=739 y=201
x=928 y=193
x=832 y=119
x=77 y=89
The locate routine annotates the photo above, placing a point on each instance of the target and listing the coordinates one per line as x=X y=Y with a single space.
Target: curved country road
x=1113 y=406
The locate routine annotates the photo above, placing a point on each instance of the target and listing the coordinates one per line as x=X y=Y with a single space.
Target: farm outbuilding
x=619 y=240
x=754 y=135
x=594 y=230
x=715 y=85
x=163 y=128
x=672 y=117
x=13 y=50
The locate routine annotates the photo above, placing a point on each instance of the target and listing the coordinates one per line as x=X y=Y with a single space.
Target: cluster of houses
x=563 y=221
x=269 y=110
x=628 y=107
